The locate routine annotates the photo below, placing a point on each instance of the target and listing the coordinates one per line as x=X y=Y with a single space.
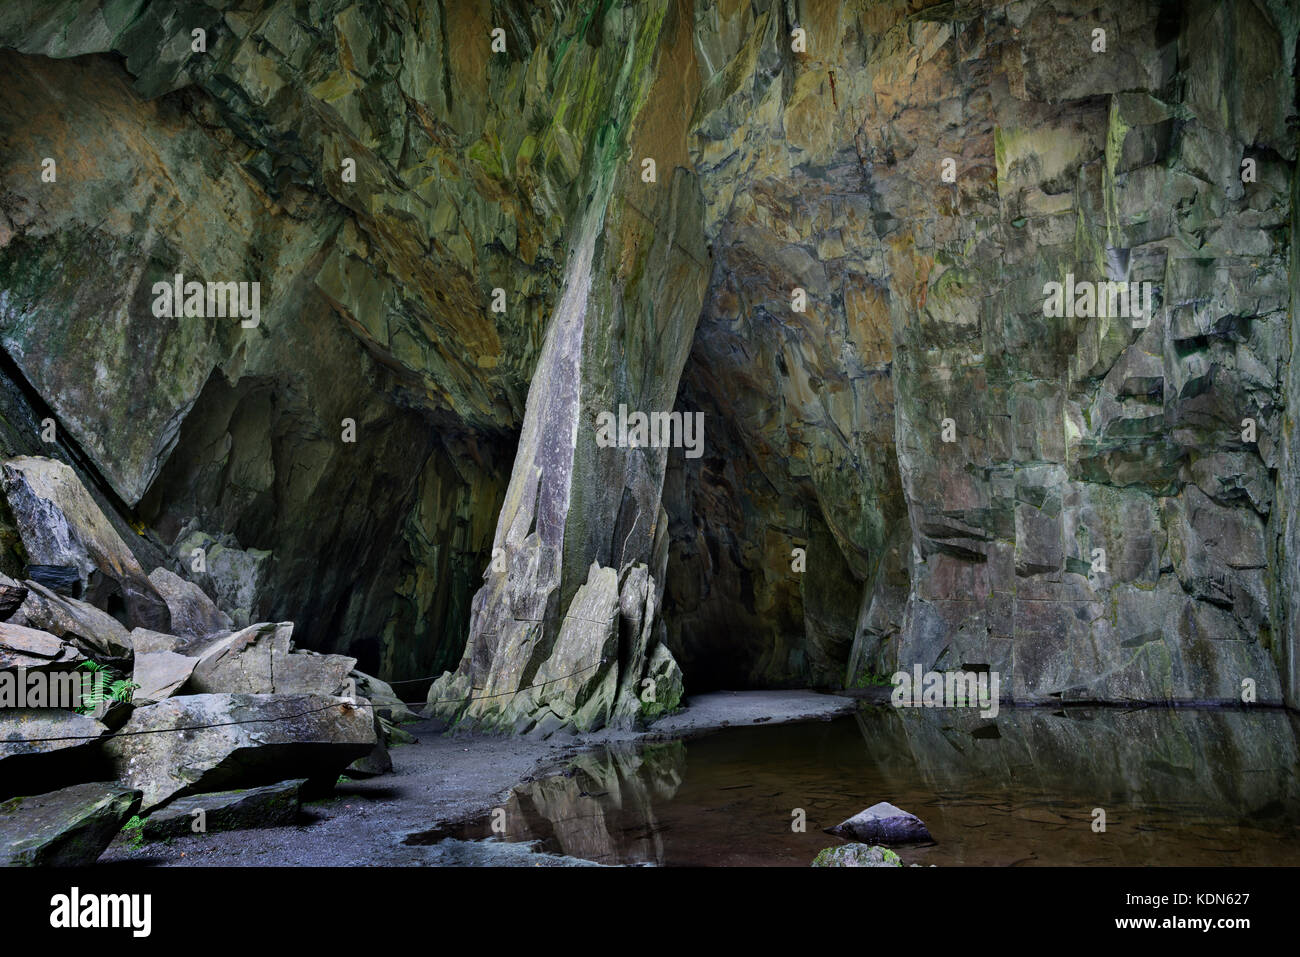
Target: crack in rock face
x=981 y=315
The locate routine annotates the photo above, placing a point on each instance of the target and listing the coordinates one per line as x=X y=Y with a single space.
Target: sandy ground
x=446 y=778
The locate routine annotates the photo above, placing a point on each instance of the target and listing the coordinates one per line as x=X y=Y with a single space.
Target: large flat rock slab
x=260 y=659
x=211 y=742
x=65 y=828
x=94 y=631
x=30 y=649
x=275 y=805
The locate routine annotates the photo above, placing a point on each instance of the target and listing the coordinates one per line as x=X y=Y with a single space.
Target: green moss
x=868 y=679
x=134 y=831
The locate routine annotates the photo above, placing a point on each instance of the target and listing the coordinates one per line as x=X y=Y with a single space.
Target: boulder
x=60 y=524
x=275 y=805
x=144 y=641
x=208 y=742
x=309 y=672
x=66 y=828
x=37 y=670
x=46 y=748
x=241 y=662
x=386 y=702
x=882 y=824
x=42 y=730
x=96 y=633
x=160 y=674
x=579 y=680
x=377 y=762
x=233 y=575
x=856 y=855
x=23 y=647
x=392 y=735
x=194 y=615
x=12 y=595
x=257 y=660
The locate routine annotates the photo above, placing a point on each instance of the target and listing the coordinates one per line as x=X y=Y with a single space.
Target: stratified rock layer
x=839 y=257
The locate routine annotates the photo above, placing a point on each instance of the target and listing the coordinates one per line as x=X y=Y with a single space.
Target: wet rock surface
x=857 y=855
x=882 y=824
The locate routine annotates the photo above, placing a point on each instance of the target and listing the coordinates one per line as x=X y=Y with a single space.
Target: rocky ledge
x=139 y=680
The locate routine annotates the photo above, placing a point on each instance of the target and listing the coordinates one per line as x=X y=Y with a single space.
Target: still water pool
x=1189 y=787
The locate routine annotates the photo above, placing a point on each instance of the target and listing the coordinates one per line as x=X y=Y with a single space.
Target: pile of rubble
x=192 y=707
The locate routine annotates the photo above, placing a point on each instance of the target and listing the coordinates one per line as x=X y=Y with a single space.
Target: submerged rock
x=66 y=828
x=208 y=742
x=883 y=824
x=857 y=855
x=274 y=805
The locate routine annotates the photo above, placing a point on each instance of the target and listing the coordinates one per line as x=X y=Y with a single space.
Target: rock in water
x=275 y=805
x=60 y=524
x=209 y=742
x=67 y=828
x=857 y=855
x=882 y=824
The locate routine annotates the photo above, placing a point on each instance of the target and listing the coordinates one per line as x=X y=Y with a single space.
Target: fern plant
x=107 y=690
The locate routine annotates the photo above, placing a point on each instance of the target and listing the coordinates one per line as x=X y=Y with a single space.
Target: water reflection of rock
x=602 y=807
x=1153 y=770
